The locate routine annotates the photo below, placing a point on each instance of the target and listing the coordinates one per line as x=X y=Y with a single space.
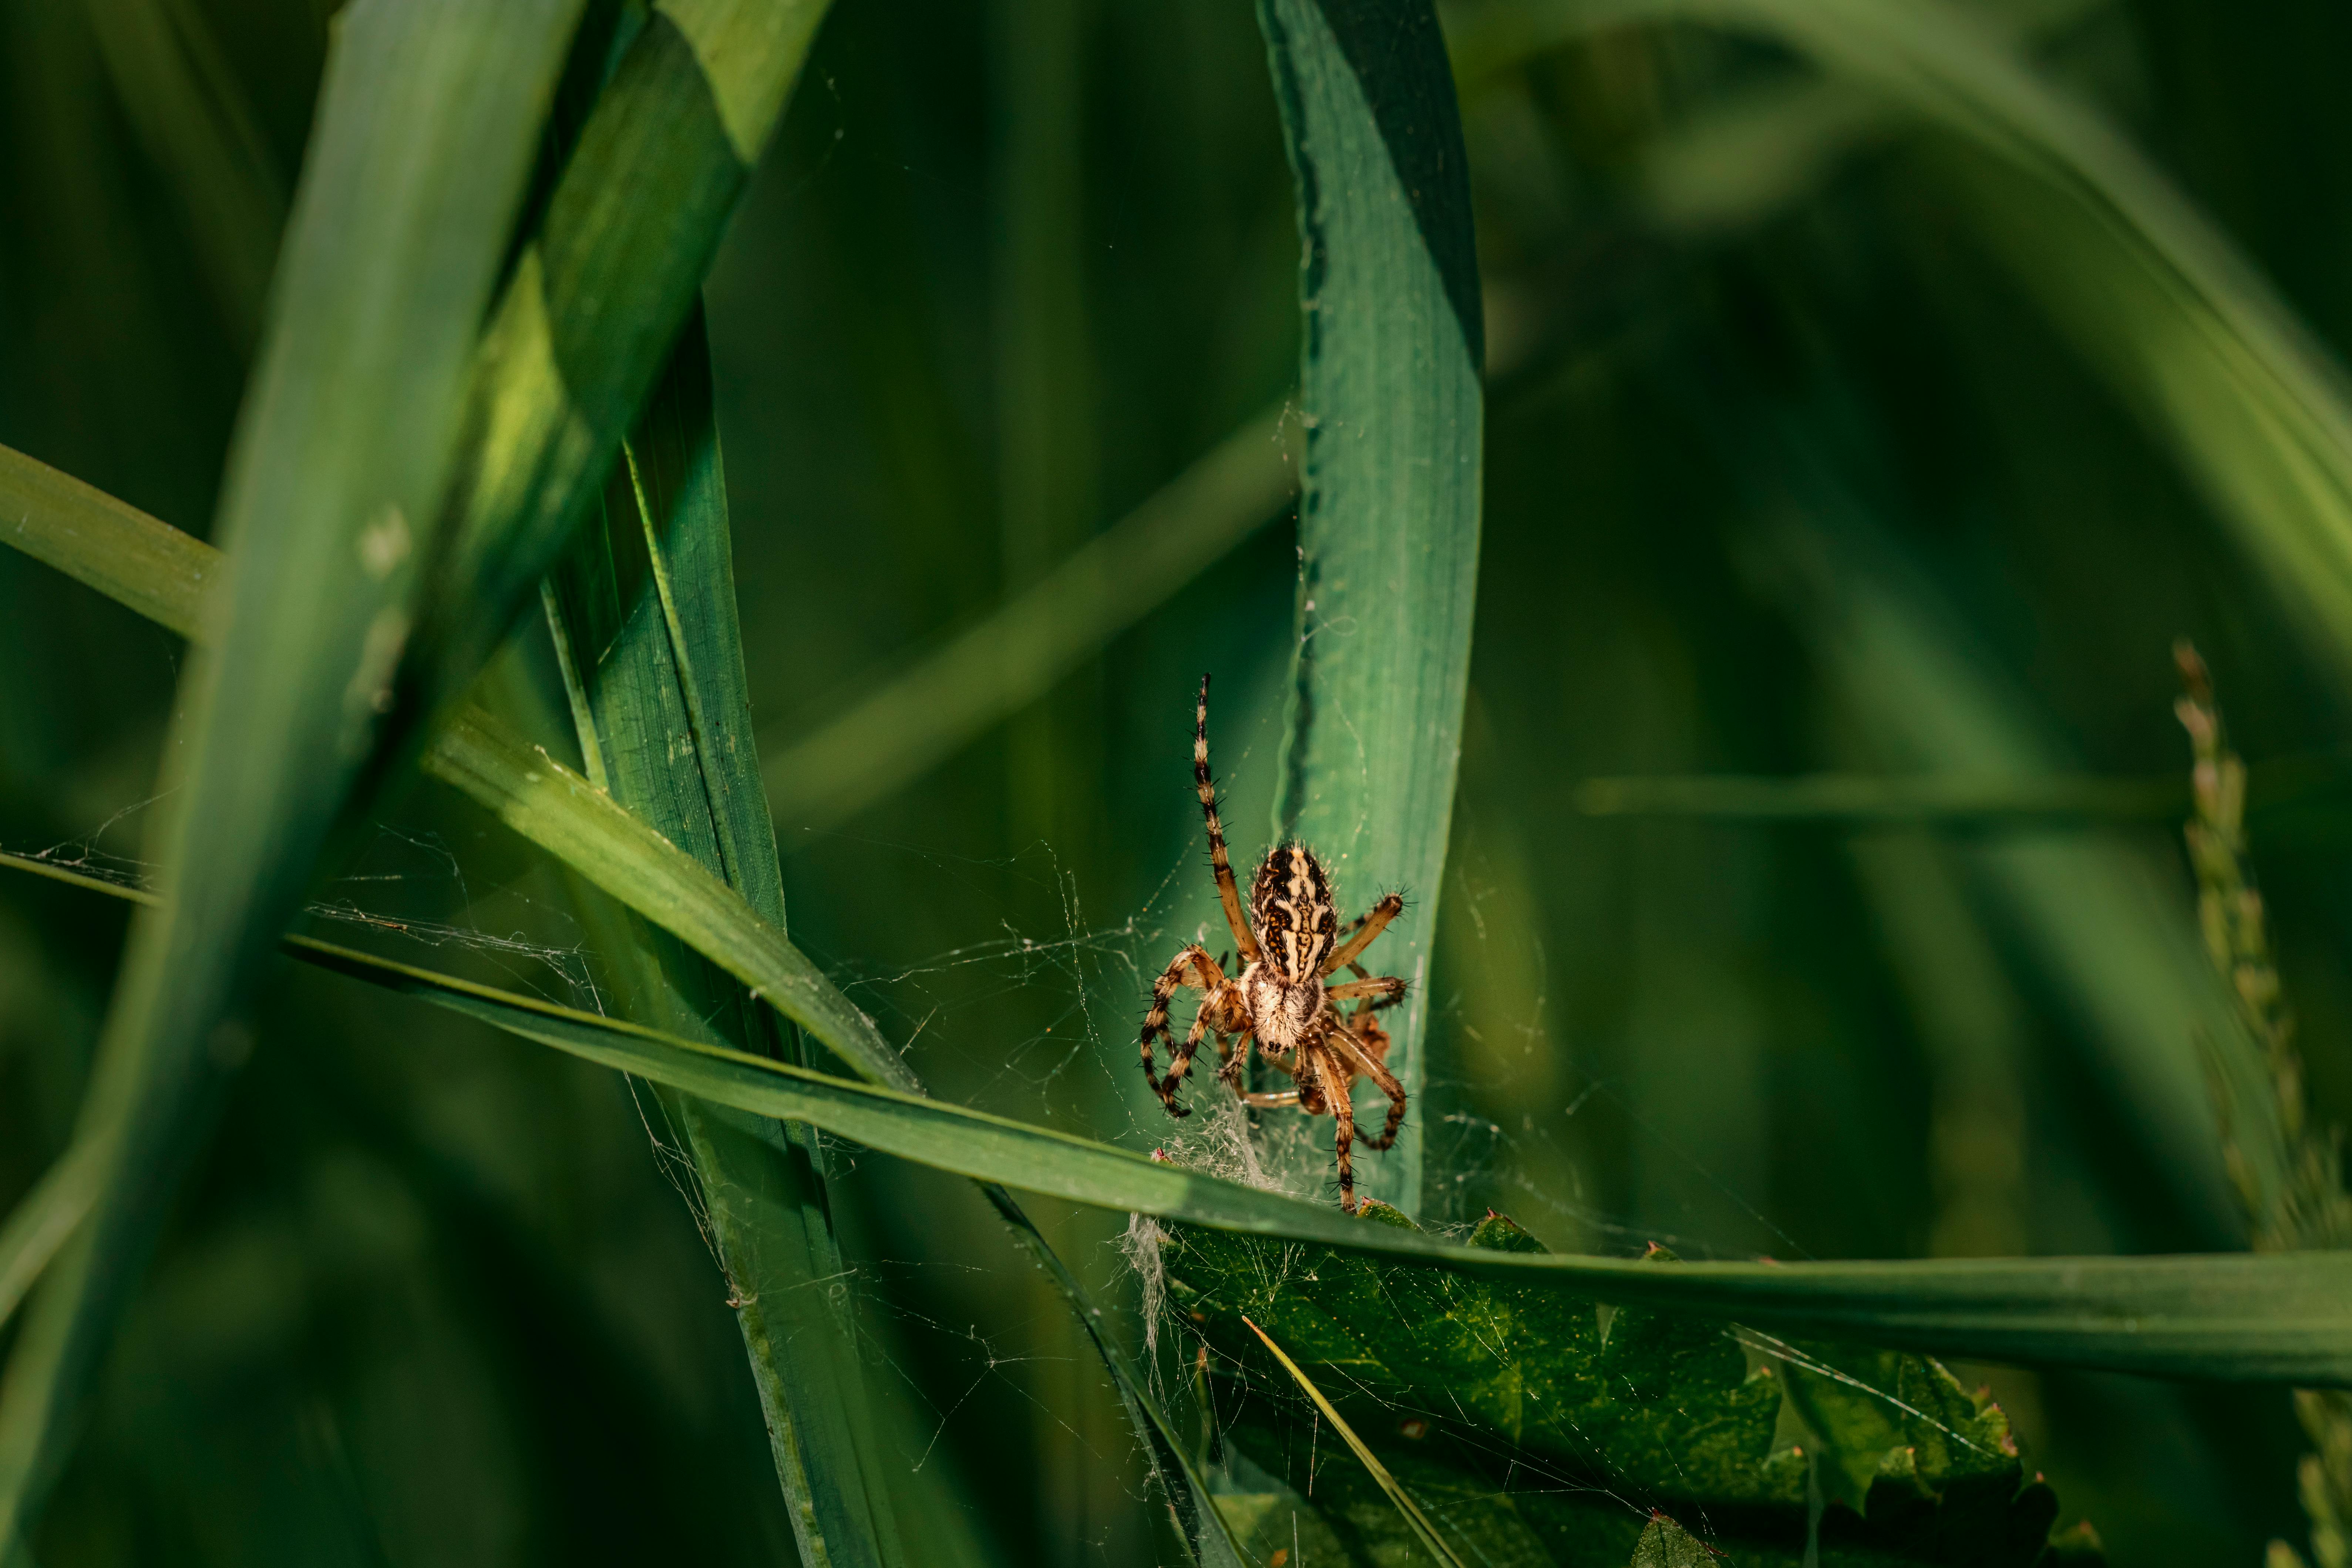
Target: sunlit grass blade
x=1424 y=1532
x=1390 y=394
x=1955 y=799
x=427 y=126
x=913 y=720
x=2279 y=1317
x=593 y=304
x=135 y=559
x=2180 y=321
x=656 y=679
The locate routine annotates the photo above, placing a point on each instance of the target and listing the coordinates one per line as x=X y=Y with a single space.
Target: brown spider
x=1281 y=997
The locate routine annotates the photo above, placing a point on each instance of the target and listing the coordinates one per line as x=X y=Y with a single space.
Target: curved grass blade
x=1424 y=1532
x=657 y=684
x=920 y=717
x=2182 y=325
x=1389 y=365
x=2272 y=1318
x=44 y=1220
x=430 y=117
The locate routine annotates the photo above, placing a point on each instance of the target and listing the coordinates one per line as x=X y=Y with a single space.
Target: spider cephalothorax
x=1290 y=946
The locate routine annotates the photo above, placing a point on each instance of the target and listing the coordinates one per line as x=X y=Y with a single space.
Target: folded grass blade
x=1424 y=1532
x=42 y=1222
x=428 y=120
x=1389 y=392
x=656 y=679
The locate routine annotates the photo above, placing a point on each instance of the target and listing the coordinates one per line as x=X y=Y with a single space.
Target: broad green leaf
x=646 y=615
x=918 y=717
x=1552 y=1427
x=1391 y=351
x=428 y=120
x=2182 y=325
x=2276 y=1317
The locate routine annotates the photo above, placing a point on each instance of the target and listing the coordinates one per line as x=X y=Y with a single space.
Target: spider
x=1290 y=945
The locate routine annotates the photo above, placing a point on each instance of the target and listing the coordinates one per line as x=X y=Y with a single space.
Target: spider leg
x=1287 y=1101
x=1194 y=967
x=1227 y=894
x=1386 y=991
x=1375 y=921
x=1371 y=1065
x=1345 y=1115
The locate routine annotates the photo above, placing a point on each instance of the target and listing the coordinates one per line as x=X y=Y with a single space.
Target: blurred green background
x=1797 y=462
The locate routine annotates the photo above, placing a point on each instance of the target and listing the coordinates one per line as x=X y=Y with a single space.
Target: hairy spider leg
x=1345 y=1112
x=1192 y=967
x=1368 y=926
x=1385 y=991
x=1227 y=893
x=1372 y=1067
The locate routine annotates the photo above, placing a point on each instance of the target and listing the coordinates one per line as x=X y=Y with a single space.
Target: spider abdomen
x=1290 y=905
x=1283 y=1014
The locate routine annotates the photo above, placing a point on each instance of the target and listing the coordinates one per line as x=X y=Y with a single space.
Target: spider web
x=1037 y=1020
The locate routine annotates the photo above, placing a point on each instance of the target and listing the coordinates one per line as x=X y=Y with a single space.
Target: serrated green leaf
x=1560 y=1427
x=1392 y=345
x=428 y=120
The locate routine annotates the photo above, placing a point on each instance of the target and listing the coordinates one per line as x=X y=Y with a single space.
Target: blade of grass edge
x=428 y=119
x=1422 y=1529
x=1390 y=358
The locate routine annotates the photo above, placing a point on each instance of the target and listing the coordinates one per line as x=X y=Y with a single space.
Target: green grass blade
x=41 y=1222
x=1388 y=526
x=658 y=682
x=595 y=303
x=1424 y=1532
x=2182 y=325
x=2279 y=1317
x=918 y=717
x=427 y=123
x=583 y=826
x=135 y=559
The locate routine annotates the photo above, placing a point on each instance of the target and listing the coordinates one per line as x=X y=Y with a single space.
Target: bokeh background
x=1790 y=469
